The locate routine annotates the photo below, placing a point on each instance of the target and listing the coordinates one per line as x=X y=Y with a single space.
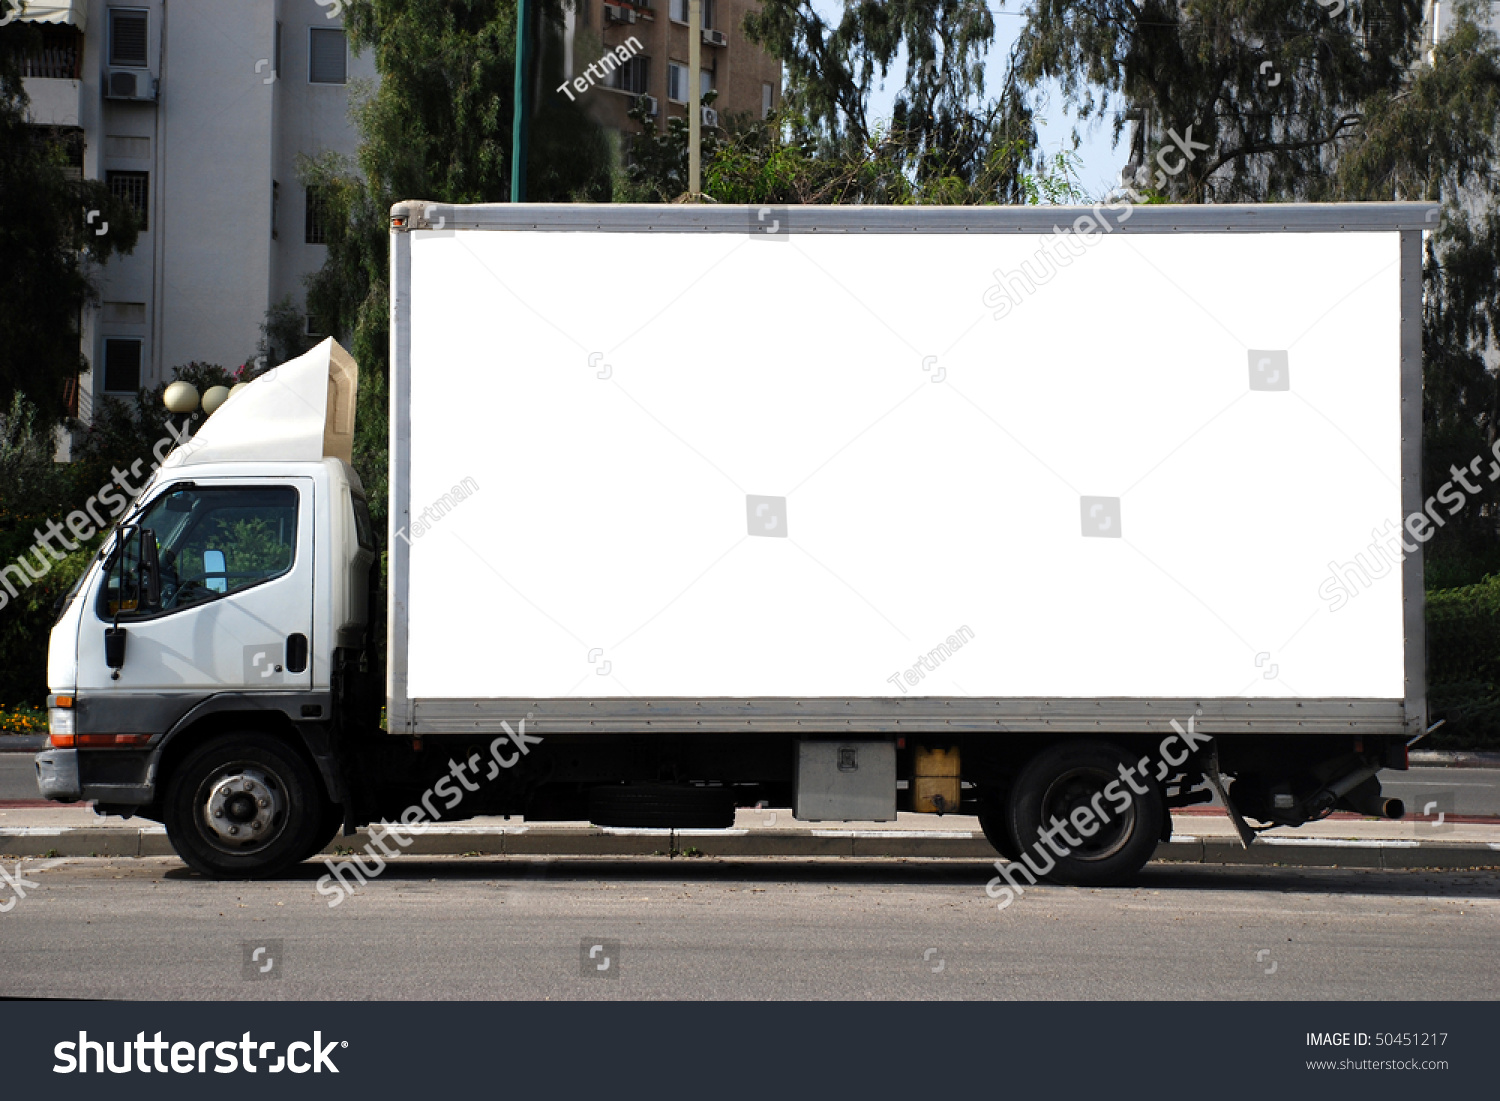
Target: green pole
x=520 y=129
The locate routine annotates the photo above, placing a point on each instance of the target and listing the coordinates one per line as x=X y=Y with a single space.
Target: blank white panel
x=932 y=458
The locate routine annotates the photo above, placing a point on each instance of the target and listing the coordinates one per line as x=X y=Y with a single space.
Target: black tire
x=1063 y=778
x=282 y=796
x=995 y=823
x=329 y=825
x=661 y=806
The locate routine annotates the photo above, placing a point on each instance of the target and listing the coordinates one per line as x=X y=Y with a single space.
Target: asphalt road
x=773 y=928
x=17 y=777
x=1458 y=790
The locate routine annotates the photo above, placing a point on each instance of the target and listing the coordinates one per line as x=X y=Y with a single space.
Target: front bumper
x=120 y=777
x=57 y=775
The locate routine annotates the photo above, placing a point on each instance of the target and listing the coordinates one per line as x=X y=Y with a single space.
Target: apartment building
x=196 y=111
x=747 y=79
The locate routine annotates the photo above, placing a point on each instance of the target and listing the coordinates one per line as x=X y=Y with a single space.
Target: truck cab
x=216 y=625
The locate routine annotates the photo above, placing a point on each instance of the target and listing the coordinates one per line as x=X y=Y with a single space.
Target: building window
x=677 y=82
x=705 y=82
x=315 y=230
x=766 y=92
x=633 y=76
x=679 y=12
x=122 y=366
x=125 y=313
x=127 y=38
x=328 y=57
x=134 y=189
x=314 y=326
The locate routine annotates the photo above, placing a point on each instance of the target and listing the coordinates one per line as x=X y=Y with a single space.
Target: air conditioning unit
x=615 y=14
x=710 y=117
x=130 y=84
x=715 y=38
x=650 y=106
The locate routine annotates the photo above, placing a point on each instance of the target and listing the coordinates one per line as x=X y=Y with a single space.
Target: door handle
x=296 y=653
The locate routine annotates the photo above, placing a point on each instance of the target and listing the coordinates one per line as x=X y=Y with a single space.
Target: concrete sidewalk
x=1197 y=838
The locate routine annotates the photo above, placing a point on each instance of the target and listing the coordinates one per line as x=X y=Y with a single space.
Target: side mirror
x=114 y=647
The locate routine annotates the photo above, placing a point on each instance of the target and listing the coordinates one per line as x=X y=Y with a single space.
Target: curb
x=1298 y=852
x=23 y=743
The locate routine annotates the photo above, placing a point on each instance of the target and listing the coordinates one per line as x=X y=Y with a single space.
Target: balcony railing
x=58 y=59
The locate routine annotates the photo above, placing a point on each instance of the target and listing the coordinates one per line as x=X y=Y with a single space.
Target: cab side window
x=211 y=542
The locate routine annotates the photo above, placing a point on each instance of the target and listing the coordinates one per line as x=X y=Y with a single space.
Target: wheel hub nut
x=243 y=806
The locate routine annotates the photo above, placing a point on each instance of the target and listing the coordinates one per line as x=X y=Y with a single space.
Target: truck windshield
x=210 y=542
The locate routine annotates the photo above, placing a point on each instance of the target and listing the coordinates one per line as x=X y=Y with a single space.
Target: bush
x=23 y=720
x=29 y=478
x=34 y=489
x=1463 y=665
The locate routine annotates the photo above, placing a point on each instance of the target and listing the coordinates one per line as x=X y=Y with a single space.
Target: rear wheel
x=995 y=822
x=244 y=806
x=1103 y=829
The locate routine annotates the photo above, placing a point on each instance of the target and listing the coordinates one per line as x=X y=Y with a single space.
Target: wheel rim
x=242 y=807
x=1079 y=787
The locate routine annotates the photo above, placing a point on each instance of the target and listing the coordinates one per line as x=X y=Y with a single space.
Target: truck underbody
x=328 y=777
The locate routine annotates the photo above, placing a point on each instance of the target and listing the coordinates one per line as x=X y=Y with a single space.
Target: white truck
x=853 y=510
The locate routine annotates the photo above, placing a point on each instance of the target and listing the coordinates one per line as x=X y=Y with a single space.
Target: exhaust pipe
x=1360 y=792
x=1375 y=805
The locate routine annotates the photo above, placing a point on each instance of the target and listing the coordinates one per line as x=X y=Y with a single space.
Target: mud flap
x=1216 y=781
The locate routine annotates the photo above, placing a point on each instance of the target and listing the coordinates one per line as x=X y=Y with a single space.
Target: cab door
x=235 y=601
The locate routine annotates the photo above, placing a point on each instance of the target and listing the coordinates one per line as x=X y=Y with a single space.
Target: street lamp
x=180 y=397
x=213 y=398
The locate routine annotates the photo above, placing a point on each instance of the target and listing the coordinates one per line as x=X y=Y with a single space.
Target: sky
x=1100 y=164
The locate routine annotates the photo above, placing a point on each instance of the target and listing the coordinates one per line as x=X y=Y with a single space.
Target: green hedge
x=1463 y=665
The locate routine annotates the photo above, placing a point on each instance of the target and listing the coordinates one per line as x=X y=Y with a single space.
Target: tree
x=47 y=247
x=759 y=163
x=1288 y=101
x=943 y=123
x=658 y=168
x=437 y=127
x=1273 y=91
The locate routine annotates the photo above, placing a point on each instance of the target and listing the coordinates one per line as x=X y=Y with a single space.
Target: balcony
x=60 y=57
x=52 y=76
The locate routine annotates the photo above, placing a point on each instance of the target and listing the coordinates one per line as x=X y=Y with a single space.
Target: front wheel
x=243 y=806
x=1082 y=815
